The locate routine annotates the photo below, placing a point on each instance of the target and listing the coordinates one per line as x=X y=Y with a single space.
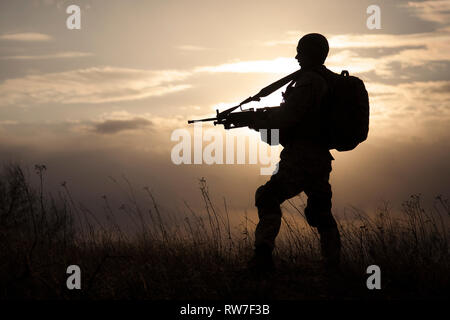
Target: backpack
x=345 y=111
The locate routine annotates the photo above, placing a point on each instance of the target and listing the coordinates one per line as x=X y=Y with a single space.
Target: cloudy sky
x=103 y=101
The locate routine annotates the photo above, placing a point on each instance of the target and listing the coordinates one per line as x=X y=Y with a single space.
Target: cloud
x=91 y=85
x=417 y=50
x=290 y=39
x=384 y=55
x=434 y=10
x=410 y=109
x=118 y=121
x=408 y=50
x=351 y=61
x=277 y=65
x=174 y=121
x=27 y=36
x=354 y=52
x=439 y=37
x=191 y=48
x=140 y=125
x=115 y=126
x=8 y=122
x=385 y=40
x=60 y=55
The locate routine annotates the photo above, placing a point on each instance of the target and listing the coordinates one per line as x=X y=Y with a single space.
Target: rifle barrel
x=201 y=120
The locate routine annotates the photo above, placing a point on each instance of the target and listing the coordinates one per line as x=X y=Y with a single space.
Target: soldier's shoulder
x=310 y=77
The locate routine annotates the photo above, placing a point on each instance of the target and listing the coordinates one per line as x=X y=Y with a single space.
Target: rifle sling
x=265 y=91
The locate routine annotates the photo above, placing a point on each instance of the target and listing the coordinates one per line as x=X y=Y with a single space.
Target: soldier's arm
x=292 y=111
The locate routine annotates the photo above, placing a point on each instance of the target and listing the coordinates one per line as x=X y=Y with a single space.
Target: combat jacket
x=299 y=117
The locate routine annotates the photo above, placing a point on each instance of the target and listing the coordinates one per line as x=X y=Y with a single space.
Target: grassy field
x=201 y=255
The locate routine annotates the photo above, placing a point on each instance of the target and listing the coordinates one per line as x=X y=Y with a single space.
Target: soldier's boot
x=262 y=260
x=330 y=245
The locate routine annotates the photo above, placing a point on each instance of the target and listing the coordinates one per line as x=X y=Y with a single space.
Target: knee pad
x=264 y=197
x=266 y=203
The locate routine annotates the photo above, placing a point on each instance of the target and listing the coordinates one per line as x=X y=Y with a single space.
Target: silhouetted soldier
x=305 y=164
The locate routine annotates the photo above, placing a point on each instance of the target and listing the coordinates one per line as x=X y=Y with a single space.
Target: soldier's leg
x=319 y=215
x=269 y=214
x=283 y=185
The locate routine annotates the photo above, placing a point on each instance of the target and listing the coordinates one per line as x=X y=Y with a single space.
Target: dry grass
x=201 y=255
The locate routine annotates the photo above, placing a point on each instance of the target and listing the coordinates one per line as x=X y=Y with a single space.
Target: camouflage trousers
x=298 y=171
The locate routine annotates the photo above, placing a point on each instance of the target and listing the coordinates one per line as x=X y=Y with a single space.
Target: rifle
x=232 y=120
x=238 y=119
